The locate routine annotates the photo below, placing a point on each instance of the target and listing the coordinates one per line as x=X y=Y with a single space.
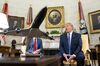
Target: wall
x=20 y=8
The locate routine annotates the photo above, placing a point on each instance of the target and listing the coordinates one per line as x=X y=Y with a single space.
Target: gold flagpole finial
x=6 y=1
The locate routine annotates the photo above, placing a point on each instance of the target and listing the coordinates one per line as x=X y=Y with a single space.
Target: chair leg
x=95 y=62
x=92 y=62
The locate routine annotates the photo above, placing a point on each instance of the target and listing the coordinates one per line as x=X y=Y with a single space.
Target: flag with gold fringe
x=83 y=27
x=29 y=18
x=84 y=32
x=5 y=11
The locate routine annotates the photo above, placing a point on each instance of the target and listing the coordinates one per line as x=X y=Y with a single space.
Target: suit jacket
x=76 y=44
x=31 y=44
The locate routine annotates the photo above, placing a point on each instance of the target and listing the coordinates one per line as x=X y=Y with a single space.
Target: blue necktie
x=69 y=42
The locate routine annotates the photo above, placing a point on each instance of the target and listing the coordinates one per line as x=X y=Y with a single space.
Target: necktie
x=34 y=48
x=69 y=42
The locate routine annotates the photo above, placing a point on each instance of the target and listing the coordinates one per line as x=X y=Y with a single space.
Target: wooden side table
x=5 y=50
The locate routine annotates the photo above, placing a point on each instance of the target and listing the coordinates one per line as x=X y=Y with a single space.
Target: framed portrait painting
x=94 y=21
x=15 y=22
x=55 y=17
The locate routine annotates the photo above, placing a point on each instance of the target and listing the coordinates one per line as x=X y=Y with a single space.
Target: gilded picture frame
x=55 y=17
x=15 y=22
x=94 y=21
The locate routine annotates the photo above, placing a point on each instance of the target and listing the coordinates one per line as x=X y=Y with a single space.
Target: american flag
x=5 y=11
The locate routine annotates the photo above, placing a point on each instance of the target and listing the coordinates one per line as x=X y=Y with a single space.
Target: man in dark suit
x=35 y=46
x=71 y=46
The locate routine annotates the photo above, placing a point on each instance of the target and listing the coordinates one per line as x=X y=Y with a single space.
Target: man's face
x=68 y=27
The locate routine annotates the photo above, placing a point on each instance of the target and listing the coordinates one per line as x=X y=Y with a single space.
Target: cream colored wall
x=20 y=8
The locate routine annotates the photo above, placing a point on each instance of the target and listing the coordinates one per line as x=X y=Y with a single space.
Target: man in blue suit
x=37 y=49
x=71 y=46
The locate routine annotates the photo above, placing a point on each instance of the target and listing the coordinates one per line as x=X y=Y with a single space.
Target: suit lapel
x=66 y=39
x=73 y=36
x=37 y=43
